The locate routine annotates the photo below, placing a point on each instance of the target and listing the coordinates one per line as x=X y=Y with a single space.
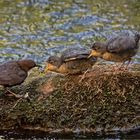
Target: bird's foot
x=12 y=94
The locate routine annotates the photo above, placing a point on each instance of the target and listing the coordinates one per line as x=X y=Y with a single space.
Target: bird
x=117 y=49
x=72 y=61
x=14 y=73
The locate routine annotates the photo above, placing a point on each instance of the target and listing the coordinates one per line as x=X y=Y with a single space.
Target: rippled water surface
x=39 y=28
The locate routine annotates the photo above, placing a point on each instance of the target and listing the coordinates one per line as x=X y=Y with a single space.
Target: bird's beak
x=49 y=67
x=46 y=69
x=94 y=53
x=39 y=66
x=90 y=55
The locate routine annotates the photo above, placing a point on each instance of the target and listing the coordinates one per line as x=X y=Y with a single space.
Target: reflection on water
x=29 y=28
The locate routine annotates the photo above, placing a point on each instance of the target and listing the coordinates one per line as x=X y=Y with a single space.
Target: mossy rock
x=102 y=101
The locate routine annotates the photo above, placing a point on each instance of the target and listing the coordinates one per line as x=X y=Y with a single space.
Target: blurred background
x=39 y=28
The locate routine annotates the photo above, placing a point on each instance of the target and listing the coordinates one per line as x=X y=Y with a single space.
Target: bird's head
x=27 y=64
x=98 y=49
x=53 y=63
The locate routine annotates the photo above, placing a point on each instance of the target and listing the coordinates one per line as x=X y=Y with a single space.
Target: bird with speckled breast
x=72 y=61
x=14 y=73
x=117 y=49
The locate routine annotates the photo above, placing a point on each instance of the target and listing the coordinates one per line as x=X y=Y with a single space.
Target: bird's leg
x=126 y=67
x=129 y=62
x=121 y=66
x=12 y=93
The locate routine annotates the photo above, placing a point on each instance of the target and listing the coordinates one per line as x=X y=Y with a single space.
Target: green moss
x=103 y=100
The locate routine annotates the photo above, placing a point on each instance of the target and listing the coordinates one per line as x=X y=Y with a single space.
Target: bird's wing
x=73 y=54
x=11 y=77
x=121 y=44
x=76 y=57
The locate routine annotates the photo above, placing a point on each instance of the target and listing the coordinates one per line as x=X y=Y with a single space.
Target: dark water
x=39 y=28
x=32 y=135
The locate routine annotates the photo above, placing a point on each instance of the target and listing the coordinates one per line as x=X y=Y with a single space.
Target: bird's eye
x=94 y=48
x=97 y=48
x=51 y=61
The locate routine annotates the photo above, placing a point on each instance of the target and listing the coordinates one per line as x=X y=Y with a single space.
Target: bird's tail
x=137 y=38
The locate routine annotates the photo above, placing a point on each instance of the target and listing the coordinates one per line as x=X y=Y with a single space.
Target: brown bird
x=118 y=49
x=14 y=73
x=72 y=61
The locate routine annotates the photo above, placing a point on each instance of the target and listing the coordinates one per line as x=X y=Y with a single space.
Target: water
x=33 y=135
x=39 y=28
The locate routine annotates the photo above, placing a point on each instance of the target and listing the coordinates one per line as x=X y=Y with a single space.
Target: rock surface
x=102 y=101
